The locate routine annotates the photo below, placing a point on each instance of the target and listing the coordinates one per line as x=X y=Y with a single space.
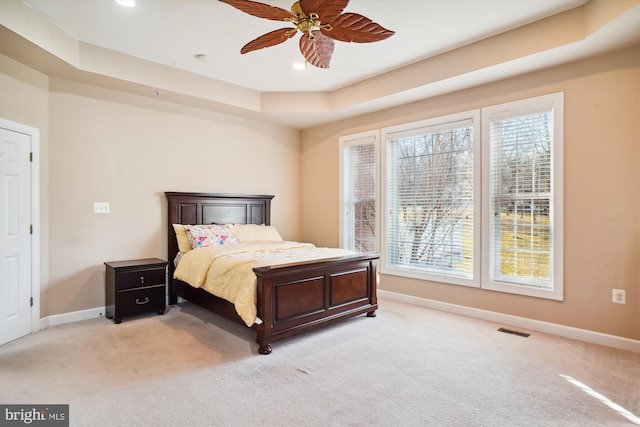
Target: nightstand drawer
x=139 y=278
x=141 y=300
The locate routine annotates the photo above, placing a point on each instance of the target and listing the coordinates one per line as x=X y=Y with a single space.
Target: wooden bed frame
x=292 y=298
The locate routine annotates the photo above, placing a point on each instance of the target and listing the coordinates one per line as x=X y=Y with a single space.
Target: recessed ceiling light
x=126 y=3
x=299 y=65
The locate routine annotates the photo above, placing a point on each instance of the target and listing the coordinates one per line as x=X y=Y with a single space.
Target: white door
x=15 y=234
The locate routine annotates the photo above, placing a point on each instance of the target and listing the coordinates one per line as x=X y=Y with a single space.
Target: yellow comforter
x=226 y=271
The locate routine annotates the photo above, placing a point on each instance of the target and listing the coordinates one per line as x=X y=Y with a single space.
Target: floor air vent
x=509 y=331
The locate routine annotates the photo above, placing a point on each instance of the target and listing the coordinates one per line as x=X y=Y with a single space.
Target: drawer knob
x=141 y=279
x=146 y=300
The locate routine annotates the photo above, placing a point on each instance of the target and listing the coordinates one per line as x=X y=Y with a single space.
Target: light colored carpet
x=409 y=366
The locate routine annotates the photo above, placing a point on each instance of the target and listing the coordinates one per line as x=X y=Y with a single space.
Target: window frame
x=435 y=124
x=555 y=102
x=361 y=138
x=481 y=119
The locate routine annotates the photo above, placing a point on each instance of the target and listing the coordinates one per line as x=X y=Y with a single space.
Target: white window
x=460 y=205
x=522 y=180
x=431 y=199
x=359 y=201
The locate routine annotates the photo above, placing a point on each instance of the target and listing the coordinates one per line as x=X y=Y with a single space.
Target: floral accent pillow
x=201 y=236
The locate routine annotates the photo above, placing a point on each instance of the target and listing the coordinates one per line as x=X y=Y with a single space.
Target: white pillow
x=181 y=237
x=254 y=232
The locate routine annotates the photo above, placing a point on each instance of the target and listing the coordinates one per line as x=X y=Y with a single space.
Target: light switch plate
x=101 y=207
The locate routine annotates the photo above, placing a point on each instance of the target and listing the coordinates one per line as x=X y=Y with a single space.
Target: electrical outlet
x=101 y=207
x=619 y=296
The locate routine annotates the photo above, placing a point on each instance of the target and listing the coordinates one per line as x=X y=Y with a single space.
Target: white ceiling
x=172 y=32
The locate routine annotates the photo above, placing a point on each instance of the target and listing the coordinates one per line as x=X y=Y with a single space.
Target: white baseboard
x=74 y=316
x=522 y=322
x=492 y=316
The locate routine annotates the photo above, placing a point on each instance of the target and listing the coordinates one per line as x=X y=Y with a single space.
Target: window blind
x=430 y=199
x=520 y=229
x=359 y=162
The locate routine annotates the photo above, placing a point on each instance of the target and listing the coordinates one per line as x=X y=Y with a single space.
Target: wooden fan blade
x=352 y=27
x=260 y=10
x=330 y=10
x=318 y=50
x=327 y=10
x=311 y=6
x=270 y=39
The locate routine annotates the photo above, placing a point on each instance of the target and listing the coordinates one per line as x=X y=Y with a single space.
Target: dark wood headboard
x=213 y=208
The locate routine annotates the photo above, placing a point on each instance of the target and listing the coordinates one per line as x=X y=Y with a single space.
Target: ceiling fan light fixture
x=320 y=22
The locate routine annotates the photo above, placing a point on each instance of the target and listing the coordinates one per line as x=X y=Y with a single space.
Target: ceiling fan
x=320 y=22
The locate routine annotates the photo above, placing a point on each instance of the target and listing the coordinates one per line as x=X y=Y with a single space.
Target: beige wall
x=101 y=145
x=126 y=150
x=601 y=185
x=107 y=146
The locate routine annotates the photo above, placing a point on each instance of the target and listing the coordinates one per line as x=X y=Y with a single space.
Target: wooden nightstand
x=135 y=286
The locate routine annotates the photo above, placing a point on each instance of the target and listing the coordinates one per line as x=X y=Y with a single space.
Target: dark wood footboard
x=300 y=297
